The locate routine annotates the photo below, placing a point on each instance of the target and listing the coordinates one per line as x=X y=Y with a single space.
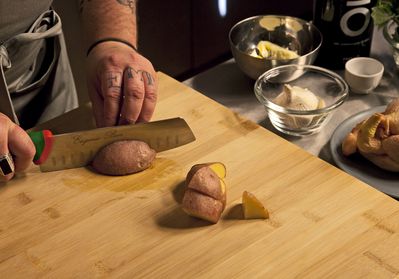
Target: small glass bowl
x=324 y=84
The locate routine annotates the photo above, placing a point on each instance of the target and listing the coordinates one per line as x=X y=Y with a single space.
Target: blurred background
x=180 y=37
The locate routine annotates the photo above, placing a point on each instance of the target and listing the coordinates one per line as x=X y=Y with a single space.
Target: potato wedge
x=252 y=207
x=202 y=206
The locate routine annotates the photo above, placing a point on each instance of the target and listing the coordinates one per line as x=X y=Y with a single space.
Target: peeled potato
x=123 y=157
x=205 y=195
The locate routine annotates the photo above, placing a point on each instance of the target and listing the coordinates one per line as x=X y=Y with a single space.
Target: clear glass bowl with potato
x=300 y=99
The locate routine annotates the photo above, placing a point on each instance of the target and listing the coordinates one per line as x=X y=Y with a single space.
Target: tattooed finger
x=112 y=95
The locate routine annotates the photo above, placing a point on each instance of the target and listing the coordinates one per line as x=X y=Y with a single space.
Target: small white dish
x=363 y=74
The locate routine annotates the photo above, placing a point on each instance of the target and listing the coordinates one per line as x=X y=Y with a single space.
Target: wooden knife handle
x=43 y=141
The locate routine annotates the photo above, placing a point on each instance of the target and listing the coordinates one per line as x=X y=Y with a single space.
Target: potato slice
x=202 y=206
x=218 y=168
x=223 y=195
x=252 y=207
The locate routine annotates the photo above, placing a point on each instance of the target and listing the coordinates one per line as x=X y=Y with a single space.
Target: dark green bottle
x=347 y=28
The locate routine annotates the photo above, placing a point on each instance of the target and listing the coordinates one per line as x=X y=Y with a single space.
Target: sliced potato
x=252 y=207
x=202 y=206
x=218 y=168
x=205 y=181
x=205 y=195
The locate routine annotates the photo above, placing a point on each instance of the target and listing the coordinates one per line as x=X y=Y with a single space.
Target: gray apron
x=36 y=82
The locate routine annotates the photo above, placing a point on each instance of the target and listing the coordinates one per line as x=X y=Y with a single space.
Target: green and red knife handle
x=43 y=141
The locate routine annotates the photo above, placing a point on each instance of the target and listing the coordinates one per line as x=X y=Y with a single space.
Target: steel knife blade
x=77 y=149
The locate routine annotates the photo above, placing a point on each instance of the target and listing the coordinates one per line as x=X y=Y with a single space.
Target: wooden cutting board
x=78 y=224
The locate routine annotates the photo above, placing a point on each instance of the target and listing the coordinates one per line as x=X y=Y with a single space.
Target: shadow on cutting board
x=177 y=218
x=234 y=213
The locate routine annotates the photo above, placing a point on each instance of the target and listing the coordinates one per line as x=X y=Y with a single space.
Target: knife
x=77 y=149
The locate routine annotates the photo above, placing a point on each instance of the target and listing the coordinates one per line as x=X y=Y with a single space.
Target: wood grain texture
x=78 y=224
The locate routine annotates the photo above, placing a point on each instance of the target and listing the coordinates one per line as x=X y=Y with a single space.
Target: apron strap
x=6 y=106
x=47 y=25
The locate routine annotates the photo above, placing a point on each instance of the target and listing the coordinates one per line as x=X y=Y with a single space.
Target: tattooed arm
x=108 y=18
x=122 y=84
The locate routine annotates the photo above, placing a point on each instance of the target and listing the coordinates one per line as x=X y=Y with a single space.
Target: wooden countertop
x=324 y=223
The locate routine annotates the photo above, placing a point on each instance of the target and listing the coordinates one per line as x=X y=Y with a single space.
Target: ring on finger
x=6 y=164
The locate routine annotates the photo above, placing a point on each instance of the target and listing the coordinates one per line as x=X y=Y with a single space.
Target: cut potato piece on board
x=219 y=169
x=202 y=206
x=205 y=194
x=252 y=207
x=204 y=180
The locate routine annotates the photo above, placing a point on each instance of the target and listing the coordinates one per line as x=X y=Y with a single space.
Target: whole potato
x=123 y=157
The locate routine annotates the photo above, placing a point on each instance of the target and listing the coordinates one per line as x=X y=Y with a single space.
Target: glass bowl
x=300 y=99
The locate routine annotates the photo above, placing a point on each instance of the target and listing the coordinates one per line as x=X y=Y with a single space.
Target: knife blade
x=77 y=149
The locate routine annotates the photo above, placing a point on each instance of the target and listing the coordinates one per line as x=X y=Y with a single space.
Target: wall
x=180 y=37
x=183 y=37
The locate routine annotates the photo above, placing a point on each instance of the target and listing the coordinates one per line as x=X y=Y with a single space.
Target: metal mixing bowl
x=289 y=32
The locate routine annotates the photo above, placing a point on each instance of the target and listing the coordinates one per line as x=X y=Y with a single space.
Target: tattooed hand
x=122 y=85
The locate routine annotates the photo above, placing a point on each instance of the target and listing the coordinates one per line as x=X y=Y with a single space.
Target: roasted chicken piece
x=377 y=138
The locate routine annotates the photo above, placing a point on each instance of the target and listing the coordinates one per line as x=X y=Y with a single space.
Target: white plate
x=356 y=165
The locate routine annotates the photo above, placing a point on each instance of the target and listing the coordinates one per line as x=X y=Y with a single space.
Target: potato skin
x=123 y=157
x=205 y=181
x=202 y=206
x=205 y=194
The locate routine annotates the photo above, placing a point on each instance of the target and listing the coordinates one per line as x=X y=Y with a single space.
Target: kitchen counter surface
x=226 y=84
x=76 y=223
